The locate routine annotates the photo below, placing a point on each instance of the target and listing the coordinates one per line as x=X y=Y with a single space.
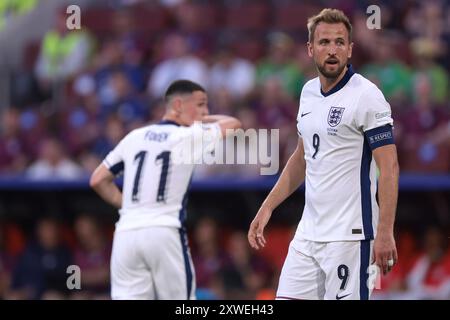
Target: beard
x=331 y=74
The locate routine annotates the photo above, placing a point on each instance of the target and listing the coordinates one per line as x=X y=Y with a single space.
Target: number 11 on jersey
x=164 y=158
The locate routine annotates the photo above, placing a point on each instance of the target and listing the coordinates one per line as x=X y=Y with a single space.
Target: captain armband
x=380 y=136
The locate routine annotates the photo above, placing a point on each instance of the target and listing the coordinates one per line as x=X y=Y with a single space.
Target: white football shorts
x=327 y=270
x=152 y=263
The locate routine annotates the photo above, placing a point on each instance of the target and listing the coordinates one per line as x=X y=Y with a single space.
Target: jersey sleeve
x=374 y=118
x=114 y=161
x=206 y=136
x=195 y=141
x=299 y=112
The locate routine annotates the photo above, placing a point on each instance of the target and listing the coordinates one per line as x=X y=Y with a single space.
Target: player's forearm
x=109 y=192
x=387 y=195
x=214 y=117
x=227 y=123
x=290 y=179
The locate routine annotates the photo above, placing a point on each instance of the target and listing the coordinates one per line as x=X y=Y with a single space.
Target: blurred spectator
x=129 y=39
x=92 y=255
x=197 y=24
x=89 y=162
x=424 y=64
x=235 y=75
x=387 y=71
x=41 y=270
x=114 y=58
x=171 y=3
x=275 y=108
x=13 y=147
x=79 y=121
x=222 y=102
x=34 y=124
x=247 y=273
x=430 y=276
x=6 y=262
x=420 y=154
x=393 y=284
x=280 y=64
x=364 y=37
x=208 y=257
x=11 y=9
x=113 y=132
x=178 y=63
x=63 y=53
x=118 y=97
x=53 y=163
x=426 y=24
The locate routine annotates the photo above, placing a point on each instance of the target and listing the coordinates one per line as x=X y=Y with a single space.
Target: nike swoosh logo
x=304 y=114
x=342 y=297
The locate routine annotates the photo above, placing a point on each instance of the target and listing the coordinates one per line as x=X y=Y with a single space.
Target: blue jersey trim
x=163 y=122
x=117 y=168
x=364 y=269
x=348 y=74
x=187 y=264
x=380 y=136
x=366 y=199
x=184 y=243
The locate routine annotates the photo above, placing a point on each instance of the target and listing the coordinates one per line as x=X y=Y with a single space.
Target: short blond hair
x=328 y=16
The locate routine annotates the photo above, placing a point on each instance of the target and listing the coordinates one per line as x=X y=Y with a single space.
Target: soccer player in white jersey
x=150 y=257
x=345 y=133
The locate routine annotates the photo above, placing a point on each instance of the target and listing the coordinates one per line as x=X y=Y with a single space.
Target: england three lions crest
x=335 y=116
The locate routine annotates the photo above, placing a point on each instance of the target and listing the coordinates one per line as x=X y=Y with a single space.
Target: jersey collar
x=348 y=74
x=169 y=122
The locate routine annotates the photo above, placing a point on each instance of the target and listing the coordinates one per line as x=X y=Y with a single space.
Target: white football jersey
x=158 y=161
x=340 y=129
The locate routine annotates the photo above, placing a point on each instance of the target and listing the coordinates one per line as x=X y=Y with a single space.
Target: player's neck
x=328 y=83
x=171 y=118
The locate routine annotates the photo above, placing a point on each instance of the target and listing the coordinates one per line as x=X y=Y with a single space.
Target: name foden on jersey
x=156 y=136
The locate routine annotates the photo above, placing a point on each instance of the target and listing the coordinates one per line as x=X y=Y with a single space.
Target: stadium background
x=66 y=98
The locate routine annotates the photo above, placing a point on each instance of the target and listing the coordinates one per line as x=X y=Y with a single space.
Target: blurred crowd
x=34 y=264
x=80 y=91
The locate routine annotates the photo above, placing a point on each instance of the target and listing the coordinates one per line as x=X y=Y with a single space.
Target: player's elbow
x=95 y=181
x=233 y=124
x=229 y=125
x=236 y=123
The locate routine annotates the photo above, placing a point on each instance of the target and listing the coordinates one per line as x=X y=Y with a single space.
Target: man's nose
x=332 y=50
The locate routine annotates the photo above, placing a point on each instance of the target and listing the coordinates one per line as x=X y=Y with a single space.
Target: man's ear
x=350 y=50
x=310 y=49
x=177 y=106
